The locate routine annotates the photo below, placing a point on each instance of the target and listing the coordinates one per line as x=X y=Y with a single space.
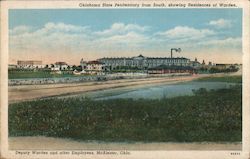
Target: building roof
x=95 y=62
x=149 y=58
x=61 y=63
x=115 y=58
x=29 y=60
x=175 y=58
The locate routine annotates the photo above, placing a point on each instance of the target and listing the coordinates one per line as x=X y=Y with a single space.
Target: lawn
x=37 y=74
x=230 y=79
x=214 y=115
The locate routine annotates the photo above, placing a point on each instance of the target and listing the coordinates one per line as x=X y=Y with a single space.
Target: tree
x=79 y=68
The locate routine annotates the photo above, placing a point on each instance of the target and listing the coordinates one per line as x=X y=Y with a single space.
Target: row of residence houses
x=29 y=64
x=58 y=66
x=90 y=67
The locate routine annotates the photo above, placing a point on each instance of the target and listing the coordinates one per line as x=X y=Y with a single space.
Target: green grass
x=230 y=79
x=37 y=74
x=207 y=116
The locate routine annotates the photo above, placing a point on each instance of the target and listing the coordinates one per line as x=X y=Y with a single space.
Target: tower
x=203 y=62
x=83 y=64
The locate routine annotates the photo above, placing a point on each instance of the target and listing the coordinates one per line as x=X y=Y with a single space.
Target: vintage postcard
x=125 y=79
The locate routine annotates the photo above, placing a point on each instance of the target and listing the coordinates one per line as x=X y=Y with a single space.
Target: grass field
x=37 y=74
x=230 y=79
x=207 y=116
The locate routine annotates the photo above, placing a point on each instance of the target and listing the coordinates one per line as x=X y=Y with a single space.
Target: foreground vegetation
x=230 y=79
x=20 y=74
x=207 y=116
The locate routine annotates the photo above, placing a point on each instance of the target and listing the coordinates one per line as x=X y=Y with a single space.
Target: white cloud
x=121 y=28
x=64 y=27
x=220 y=23
x=52 y=36
x=185 y=33
x=121 y=36
x=55 y=36
x=20 y=30
x=125 y=41
x=229 y=42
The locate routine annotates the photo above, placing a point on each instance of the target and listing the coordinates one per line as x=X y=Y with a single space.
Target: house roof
x=61 y=63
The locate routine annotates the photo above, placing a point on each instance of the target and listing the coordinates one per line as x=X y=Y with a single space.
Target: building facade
x=29 y=64
x=95 y=66
x=142 y=62
x=163 y=69
x=195 y=63
x=60 y=66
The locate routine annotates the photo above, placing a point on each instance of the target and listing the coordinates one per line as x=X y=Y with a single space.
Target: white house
x=60 y=66
x=31 y=64
x=95 y=66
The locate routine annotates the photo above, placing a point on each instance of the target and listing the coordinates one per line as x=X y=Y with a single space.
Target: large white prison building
x=144 y=62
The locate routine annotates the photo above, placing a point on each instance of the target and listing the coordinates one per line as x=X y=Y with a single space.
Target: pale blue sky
x=159 y=19
x=148 y=31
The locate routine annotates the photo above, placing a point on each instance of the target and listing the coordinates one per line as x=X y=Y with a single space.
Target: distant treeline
x=215 y=69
